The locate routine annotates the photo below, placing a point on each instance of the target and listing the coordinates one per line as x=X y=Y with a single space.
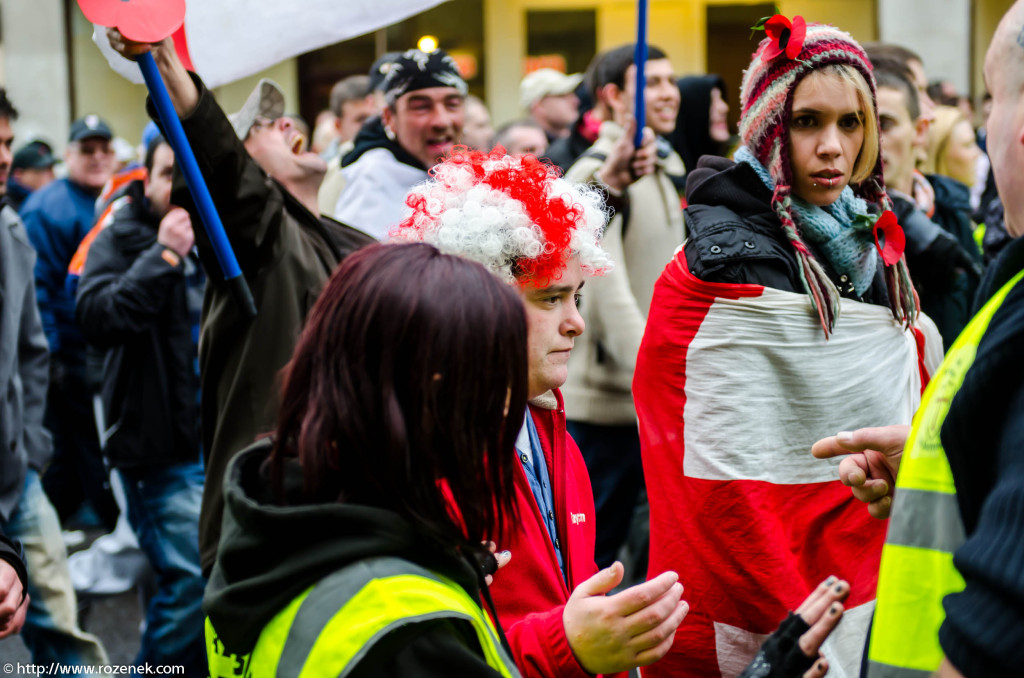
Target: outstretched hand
x=872 y=462
x=822 y=610
x=785 y=654
x=635 y=627
x=501 y=559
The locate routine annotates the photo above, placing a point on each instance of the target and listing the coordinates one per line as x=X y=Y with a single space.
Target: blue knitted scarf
x=842 y=232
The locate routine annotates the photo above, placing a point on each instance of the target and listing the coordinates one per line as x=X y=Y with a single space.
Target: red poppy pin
x=787 y=37
x=893 y=240
x=139 y=20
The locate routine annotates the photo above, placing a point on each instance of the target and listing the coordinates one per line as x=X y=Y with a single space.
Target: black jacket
x=734 y=236
x=268 y=557
x=983 y=436
x=372 y=135
x=134 y=303
x=14 y=554
x=945 y=274
x=566 y=151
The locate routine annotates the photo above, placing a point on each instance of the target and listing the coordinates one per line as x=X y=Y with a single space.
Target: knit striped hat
x=778 y=65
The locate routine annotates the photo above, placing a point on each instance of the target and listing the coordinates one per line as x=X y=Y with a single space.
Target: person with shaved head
x=951 y=586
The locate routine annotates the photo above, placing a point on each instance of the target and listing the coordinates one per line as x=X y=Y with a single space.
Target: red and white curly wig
x=513 y=214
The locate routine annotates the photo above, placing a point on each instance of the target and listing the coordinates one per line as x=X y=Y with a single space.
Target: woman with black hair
x=702 y=125
x=352 y=540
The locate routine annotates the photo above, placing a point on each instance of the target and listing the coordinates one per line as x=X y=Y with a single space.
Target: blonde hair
x=940 y=131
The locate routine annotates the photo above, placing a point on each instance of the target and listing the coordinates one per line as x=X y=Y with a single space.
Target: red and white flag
x=226 y=40
x=733 y=385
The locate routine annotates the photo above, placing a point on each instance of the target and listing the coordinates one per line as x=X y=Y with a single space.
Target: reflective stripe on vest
x=925 y=529
x=331 y=626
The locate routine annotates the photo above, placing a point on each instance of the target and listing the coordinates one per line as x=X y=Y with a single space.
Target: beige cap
x=546 y=82
x=265 y=101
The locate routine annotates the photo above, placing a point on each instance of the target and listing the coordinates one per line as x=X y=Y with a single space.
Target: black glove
x=780 y=656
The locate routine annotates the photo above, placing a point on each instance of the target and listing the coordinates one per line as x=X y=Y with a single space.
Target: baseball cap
x=149 y=132
x=265 y=101
x=33 y=155
x=89 y=127
x=546 y=82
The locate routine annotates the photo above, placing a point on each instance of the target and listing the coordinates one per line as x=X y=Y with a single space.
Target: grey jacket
x=24 y=364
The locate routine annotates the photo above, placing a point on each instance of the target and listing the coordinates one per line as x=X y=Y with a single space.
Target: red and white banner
x=225 y=40
x=733 y=385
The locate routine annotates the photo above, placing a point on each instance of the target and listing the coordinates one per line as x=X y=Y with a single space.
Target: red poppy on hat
x=894 y=240
x=787 y=37
x=139 y=20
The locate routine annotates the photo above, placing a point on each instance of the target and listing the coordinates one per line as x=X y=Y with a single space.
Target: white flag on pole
x=227 y=40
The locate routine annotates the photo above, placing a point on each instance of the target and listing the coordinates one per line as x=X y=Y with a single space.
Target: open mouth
x=440 y=142
x=298 y=144
x=665 y=110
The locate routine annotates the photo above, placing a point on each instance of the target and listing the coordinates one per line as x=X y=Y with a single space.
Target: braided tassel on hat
x=823 y=292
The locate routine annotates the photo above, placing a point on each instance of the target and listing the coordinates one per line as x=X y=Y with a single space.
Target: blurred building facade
x=54 y=73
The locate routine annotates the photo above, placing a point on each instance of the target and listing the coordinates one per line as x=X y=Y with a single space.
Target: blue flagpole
x=640 y=60
x=186 y=160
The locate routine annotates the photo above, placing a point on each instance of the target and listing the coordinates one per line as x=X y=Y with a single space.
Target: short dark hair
x=612 y=67
x=502 y=133
x=154 y=143
x=887 y=50
x=406 y=392
x=589 y=82
x=893 y=74
x=7 y=109
x=939 y=96
x=349 y=89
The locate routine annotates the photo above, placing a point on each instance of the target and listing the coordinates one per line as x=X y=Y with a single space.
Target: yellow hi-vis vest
x=327 y=629
x=925 y=527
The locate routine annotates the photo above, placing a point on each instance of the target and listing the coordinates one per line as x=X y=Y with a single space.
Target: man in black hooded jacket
x=140 y=299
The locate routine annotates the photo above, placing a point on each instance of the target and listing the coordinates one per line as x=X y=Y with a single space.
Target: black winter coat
x=949 y=302
x=734 y=236
x=133 y=303
x=945 y=273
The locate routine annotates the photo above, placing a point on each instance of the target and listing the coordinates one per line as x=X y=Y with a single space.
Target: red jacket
x=529 y=592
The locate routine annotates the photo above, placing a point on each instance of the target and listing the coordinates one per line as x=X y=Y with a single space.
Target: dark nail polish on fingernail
x=839 y=587
x=821 y=666
x=833 y=610
x=831 y=580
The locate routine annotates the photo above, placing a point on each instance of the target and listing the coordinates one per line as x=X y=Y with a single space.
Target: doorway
x=730 y=46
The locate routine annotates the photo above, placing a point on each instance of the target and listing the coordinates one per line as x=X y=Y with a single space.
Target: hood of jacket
x=269 y=554
x=721 y=182
x=134 y=225
x=372 y=135
x=691 y=137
